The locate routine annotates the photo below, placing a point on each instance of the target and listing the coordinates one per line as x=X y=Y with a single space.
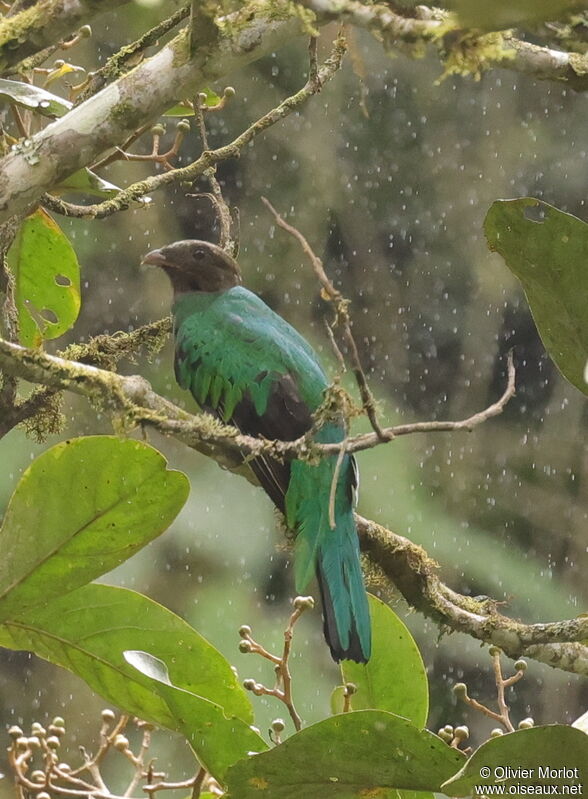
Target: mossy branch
x=132 y=401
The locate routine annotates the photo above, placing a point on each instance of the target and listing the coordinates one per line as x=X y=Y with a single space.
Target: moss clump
x=470 y=54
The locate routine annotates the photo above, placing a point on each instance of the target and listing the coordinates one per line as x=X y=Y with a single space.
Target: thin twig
x=209 y=158
x=341 y=306
x=114 y=66
x=334 y=482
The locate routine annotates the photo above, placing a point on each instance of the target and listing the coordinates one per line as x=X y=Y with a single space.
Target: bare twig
x=503 y=715
x=341 y=306
x=282 y=690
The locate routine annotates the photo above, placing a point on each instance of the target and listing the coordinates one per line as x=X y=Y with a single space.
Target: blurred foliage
x=390 y=178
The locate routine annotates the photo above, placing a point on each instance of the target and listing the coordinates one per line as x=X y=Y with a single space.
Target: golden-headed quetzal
x=246 y=365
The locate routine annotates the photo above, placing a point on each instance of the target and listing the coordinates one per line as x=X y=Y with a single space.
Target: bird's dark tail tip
x=355 y=649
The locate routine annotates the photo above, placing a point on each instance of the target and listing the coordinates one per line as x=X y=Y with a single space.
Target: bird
x=250 y=368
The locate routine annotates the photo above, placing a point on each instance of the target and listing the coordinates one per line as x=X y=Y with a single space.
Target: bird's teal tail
x=332 y=552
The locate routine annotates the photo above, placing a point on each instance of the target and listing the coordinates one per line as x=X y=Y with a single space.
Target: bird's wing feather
x=245 y=364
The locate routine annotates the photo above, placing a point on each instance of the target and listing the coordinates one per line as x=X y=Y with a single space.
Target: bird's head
x=194 y=265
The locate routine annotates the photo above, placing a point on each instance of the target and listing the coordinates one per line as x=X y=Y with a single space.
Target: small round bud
x=53 y=742
x=526 y=724
x=144 y=725
x=461 y=733
x=121 y=742
x=245 y=647
x=448 y=729
x=229 y=92
x=445 y=736
x=65 y=768
x=53 y=730
x=494 y=650
x=58 y=722
x=350 y=688
x=43 y=795
x=244 y=631
x=304 y=603
x=59 y=62
x=249 y=684
x=158 y=130
x=85 y=31
x=22 y=743
x=34 y=742
x=496 y=732
x=183 y=126
x=521 y=665
x=460 y=690
x=278 y=725
x=15 y=731
x=38 y=729
x=108 y=715
x=38 y=776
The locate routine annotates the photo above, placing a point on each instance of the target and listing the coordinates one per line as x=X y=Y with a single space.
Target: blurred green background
x=390 y=179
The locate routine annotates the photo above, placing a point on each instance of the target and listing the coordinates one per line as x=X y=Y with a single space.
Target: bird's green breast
x=230 y=342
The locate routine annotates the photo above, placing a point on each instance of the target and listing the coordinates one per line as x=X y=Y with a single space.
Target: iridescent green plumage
x=247 y=365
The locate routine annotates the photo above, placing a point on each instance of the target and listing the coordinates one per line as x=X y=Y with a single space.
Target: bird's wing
x=246 y=365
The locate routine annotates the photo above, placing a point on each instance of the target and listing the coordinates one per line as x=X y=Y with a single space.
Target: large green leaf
x=88 y=631
x=547 y=253
x=360 y=754
x=218 y=741
x=394 y=679
x=552 y=755
x=47 y=276
x=34 y=98
x=500 y=14
x=79 y=510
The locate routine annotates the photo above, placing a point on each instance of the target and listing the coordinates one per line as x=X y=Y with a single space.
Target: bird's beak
x=154 y=258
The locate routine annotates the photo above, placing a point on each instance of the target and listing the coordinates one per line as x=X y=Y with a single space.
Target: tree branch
x=515 y=54
x=409 y=568
x=210 y=158
x=107 y=118
x=43 y=23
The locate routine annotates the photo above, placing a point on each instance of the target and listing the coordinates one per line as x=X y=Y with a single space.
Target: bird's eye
x=198 y=255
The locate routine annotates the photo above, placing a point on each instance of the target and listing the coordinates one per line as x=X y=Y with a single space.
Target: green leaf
x=367 y=753
x=84 y=181
x=79 y=510
x=502 y=14
x=88 y=631
x=531 y=754
x=60 y=71
x=186 y=109
x=34 y=98
x=548 y=256
x=217 y=741
x=394 y=679
x=47 y=276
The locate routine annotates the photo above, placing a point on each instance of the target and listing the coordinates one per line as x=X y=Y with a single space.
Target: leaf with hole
x=88 y=632
x=545 y=249
x=47 y=279
x=218 y=741
x=554 y=755
x=80 y=509
x=394 y=679
x=34 y=98
x=368 y=753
